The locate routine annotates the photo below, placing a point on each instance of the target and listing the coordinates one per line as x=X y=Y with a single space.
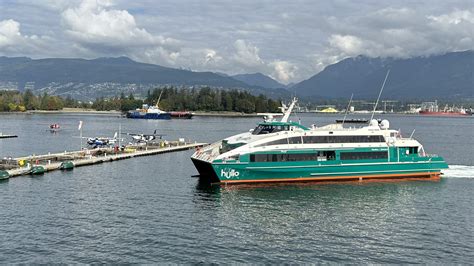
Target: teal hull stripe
x=380 y=171
x=332 y=165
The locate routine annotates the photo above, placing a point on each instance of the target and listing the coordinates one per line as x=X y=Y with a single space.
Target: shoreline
x=223 y=114
x=73 y=111
x=69 y=111
x=119 y=113
x=81 y=111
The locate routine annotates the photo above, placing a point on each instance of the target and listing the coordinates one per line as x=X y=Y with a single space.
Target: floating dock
x=2 y=136
x=67 y=160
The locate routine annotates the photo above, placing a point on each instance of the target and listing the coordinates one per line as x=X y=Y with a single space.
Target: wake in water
x=459 y=171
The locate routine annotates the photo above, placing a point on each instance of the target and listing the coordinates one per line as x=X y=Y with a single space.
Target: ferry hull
x=206 y=171
x=255 y=173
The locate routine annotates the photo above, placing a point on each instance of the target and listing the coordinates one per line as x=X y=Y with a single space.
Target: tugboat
x=283 y=151
x=149 y=112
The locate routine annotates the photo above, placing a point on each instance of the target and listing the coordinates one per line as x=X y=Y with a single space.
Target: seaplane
x=101 y=142
x=144 y=138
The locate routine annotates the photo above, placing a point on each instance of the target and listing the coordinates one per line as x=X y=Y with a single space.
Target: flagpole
x=81 y=138
x=120 y=134
x=80 y=132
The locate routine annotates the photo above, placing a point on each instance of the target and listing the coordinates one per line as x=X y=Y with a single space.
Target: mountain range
x=105 y=77
x=120 y=70
x=440 y=76
x=260 y=80
x=449 y=75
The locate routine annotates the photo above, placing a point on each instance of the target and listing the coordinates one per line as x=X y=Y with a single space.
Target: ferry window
x=343 y=139
x=329 y=155
x=261 y=129
x=259 y=157
x=412 y=150
x=276 y=142
x=303 y=157
x=293 y=157
x=313 y=139
x=295 y=140
x=267 y=129
x=234 y=157
x=280 y=128
x=364 y=155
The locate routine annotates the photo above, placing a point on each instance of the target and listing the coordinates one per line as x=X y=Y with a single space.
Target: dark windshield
x=267 y=129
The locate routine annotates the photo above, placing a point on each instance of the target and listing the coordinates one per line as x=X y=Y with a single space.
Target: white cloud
x=283 y=71
x=156 y=54
x=211 y=56
x=248 y=59
x=92 y=22
x=247 y=54
x=9 y=32
x=347 y=44
x=289 y=41
x=100 y=28
x=12 y=41
x=455 y=17
x=400 y=33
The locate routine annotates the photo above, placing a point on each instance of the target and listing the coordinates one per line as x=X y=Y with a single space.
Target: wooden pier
x=50 y=162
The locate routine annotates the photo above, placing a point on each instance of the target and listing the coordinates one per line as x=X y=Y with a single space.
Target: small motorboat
x=4 y=175
x=37 y=170
x=54 y=128
x=67 y=165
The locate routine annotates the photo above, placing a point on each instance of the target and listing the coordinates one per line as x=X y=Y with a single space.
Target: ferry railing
x=208 y=152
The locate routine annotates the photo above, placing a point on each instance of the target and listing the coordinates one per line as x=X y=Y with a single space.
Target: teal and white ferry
x=283 y=151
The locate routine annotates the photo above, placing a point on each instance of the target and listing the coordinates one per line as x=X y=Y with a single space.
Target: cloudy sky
x=287 y=40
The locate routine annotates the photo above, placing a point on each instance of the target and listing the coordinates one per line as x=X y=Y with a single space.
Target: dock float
x=2 y=136
x=68 y=160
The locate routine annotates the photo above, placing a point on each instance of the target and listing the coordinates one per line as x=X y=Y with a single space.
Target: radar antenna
x=158 y=102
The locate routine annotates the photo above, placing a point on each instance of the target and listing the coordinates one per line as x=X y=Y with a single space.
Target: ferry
x=285 y=151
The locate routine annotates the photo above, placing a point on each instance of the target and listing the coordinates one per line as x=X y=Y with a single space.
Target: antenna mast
x=287 y=112
x=380 y=93
x=158 y=102
x=347 y=109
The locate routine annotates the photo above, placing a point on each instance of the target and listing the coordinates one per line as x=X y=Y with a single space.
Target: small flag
x=80 y=125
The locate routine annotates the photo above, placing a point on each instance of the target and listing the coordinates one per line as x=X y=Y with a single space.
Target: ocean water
x=152 y=209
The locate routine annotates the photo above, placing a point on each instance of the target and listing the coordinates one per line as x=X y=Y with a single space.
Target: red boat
x=181 y=115
x=431 y=108
x=444 y=113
